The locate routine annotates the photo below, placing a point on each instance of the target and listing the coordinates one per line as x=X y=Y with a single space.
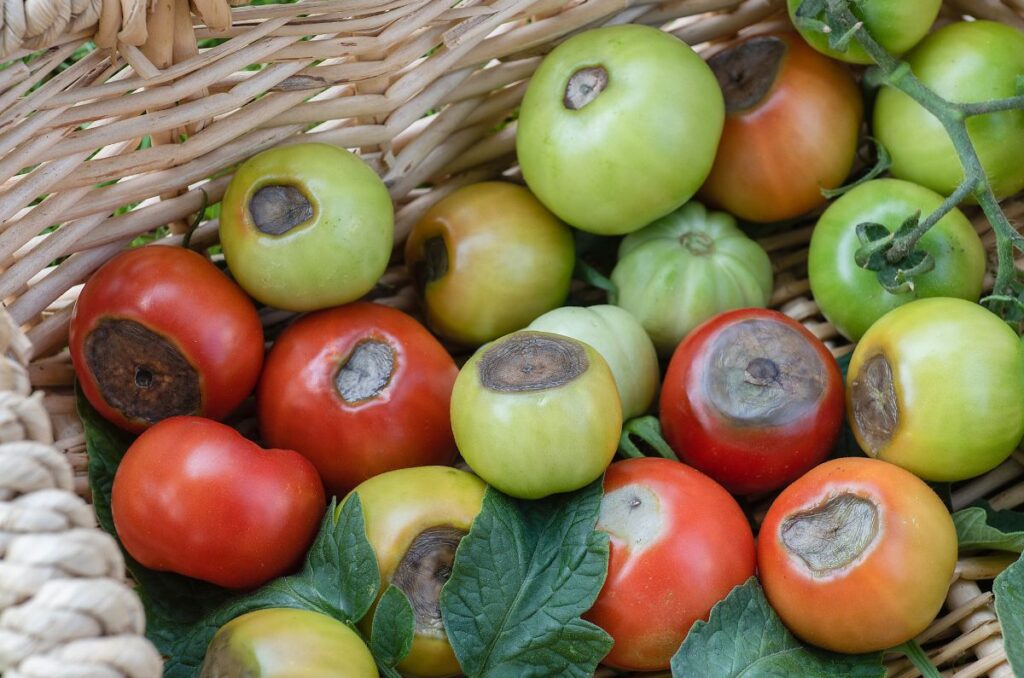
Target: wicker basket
x=425 y=123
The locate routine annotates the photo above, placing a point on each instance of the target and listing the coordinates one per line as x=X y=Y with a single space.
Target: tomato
x=857 y=555
x=194 y=497
x=536 y=413
x=144 y=344
x=415 y=519
x=358 y=390
x=850 y=297
x=937 y=387
x=686 y=267
x=618 y=127
x=287 y=643
x=622 y=342
x=752 y=399
x=679 y=544
x=487 y=260
x=963 y=62
x=897 y=25
x=792 y=121
x=306 y=226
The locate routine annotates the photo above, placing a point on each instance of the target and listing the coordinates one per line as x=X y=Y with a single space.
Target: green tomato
x=306 y=226
x=897 y=25
x=619 y=126
x=536 y=413
x=287 y=643
x=963 y=62
x=686 y=267
x=936 y=386
x=850 y=297
x=622 y=342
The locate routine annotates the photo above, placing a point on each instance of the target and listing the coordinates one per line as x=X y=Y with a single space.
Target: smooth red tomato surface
x=752 y=399
x=160 y=331
x=857 y=555
x=792 y=121
x=193 y=496
x=359 y=390
x=679 y=544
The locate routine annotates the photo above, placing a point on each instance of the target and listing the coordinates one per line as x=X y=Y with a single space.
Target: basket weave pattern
x=422 y=89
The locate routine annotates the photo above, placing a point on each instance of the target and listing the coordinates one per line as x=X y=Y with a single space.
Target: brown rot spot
x=833 y=535
x=434 y=264
x=139 y=373
x=277 y=209
x=531 y=361
x=423 y=570
x=631 y=514
x=763 y=373
x=584 y=86
x=746 y=72
x=224 y=660
x=876 y=412
x=366 y=371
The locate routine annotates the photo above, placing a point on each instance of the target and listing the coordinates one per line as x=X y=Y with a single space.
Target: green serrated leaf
x=745 y=637
x=393 y=628
x=106 y=445
x=893 y=280
x=981 y=527
x=1009 y=590
x=870 y=231
x=909 y=224
x=811 y=8
x=522 y=577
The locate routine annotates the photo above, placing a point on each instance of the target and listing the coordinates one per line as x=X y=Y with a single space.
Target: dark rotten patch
x=365 y=372
x=531 y=361
x=746 y=72
x=423 y=570
x=831 y=536
x=277 y=209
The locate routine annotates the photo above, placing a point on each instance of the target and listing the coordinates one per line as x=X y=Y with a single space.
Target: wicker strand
x=65 y=608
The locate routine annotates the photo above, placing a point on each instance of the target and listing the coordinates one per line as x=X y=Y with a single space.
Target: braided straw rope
x=419 y=87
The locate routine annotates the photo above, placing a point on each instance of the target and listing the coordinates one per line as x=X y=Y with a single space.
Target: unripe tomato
x=752 y=399
x=358 y=390
x=287 y=643
x=857 y=555
x=536 y=413
x=792 y=119
x=679 y=544
x=487 y=260
x=194 y=497
x=159 y=332
x=937 y=386
x=415 y=519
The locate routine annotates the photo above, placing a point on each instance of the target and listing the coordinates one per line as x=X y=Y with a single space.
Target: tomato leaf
x=523 y=576
x=744 y=636
x=980 y=527
x=1009 y=590
x=393 y=628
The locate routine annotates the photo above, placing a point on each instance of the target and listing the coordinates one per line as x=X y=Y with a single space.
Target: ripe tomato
x=792 y=118
x=850 y=297
x=857 y=555
x=487 y=260
x=965 y=62
x=679 y=544
x=194 y=497
x=159 y=332
x=937 y=386
x=358 y=390
x=752 y=399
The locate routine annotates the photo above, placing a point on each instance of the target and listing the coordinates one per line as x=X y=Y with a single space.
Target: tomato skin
x=896 y=587
x=962 y=62
x=175 y=293
x=701 y=549
x=850 y=297
x=776 y=156
x=193 y=496
x=406 y=424
x=749 y=456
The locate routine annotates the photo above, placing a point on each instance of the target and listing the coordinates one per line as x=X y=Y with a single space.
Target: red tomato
x=159 y=332
x=194 y=497
x=753 y=399
x=791 y=126
x=359 y=390
x=679 y=544
x=857 y=555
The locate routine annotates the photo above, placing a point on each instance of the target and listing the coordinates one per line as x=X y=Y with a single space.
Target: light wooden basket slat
x=423 y=90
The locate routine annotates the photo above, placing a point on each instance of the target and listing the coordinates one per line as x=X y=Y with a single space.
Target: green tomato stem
x=904 y=245
x=595 y=278
x=648 y=430
x=983 y=107
x=917 y=656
